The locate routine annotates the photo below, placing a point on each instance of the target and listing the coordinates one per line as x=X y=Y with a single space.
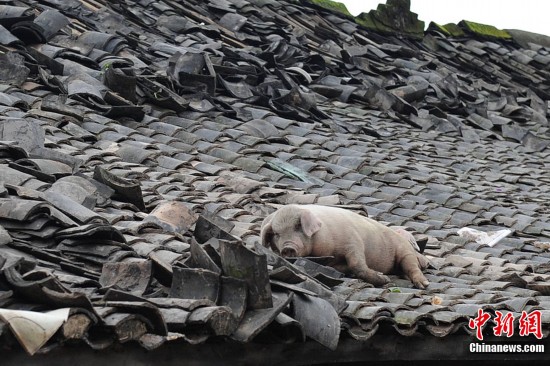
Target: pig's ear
x=266 y=234
x=310 y=223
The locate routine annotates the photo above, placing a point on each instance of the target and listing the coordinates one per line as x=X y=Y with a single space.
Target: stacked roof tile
x=143 y=142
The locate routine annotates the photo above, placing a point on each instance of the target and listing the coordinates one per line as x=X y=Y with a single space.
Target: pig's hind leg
x=411 y=267
x=357 y=265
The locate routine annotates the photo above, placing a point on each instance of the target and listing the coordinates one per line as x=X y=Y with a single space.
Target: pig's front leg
x=357 y=264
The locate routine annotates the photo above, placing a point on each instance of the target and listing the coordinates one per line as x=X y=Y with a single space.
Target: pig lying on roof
x=360 y=245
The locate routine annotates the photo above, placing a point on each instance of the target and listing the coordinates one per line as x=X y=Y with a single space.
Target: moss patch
x=332 y=6
x=370 y=22
x=454 y=30
x=450 y=30
x=437 y=27
x=484 y=30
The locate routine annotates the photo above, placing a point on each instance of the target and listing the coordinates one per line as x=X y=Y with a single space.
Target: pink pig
x=359 y=244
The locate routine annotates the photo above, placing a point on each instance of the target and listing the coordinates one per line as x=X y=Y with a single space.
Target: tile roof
x=142 y=142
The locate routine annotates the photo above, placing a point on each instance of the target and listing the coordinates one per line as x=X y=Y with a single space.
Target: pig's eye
x=298 y=225
x=276 y=236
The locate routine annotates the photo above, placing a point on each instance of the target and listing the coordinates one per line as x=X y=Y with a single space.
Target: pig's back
x=344 y=227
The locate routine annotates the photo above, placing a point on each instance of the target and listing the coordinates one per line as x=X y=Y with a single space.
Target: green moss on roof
x=450 y=30
x=438 y=27
x=369 y=22
x=454 y=30
x=393 y=17
x=484 y=30
x=332 y=6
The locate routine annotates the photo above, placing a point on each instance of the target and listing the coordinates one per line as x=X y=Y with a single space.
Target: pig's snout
x=289 y=250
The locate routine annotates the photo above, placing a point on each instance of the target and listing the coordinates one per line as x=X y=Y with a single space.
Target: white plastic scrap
x=490 y=238
x=33 y=329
